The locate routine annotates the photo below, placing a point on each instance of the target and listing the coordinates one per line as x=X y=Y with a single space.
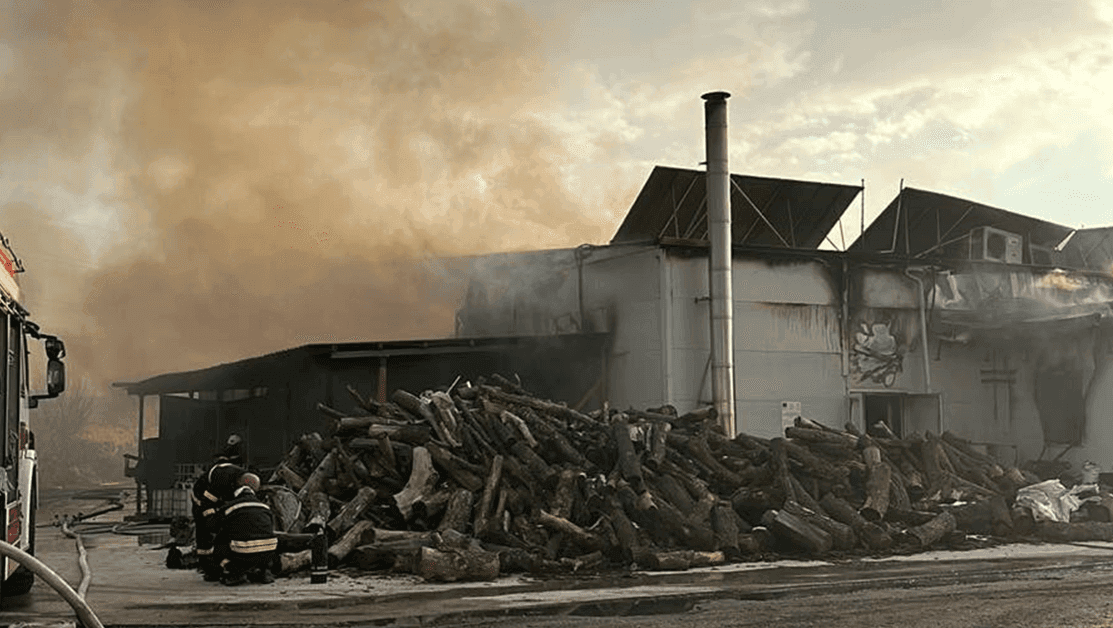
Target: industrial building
x=943 y=315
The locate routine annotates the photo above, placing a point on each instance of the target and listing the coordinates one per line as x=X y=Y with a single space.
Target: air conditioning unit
x=1042 y=255
x=995 y=245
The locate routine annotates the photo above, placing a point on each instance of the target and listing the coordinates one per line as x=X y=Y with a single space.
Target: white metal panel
x=692 y=376
x=628 y=282
x=804 y=282
x=888 y=288
x=762 y=417
x=784 y=375
x=690 y=277
x=789 y=328
x=758 y=281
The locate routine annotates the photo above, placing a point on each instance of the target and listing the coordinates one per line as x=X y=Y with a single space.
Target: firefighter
x=205 y=509
x=233 y=450
x=210 y=491
x=246 y=542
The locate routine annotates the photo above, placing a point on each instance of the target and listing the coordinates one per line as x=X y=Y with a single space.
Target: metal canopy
x=918 y=223
x=764 y=211
x=259 y=370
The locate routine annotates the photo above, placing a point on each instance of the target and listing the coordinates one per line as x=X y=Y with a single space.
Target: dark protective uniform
x=246 y=542
x=209 y=492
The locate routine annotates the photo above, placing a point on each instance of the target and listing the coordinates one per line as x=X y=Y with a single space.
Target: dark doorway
x=885 y=409
x=905 y=414
x=1061 y=404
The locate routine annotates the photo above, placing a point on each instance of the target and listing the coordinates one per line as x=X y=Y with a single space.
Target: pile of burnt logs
x=486 y=479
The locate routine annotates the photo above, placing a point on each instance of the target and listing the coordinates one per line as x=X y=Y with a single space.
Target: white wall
x=624 y=284
x=786 y=337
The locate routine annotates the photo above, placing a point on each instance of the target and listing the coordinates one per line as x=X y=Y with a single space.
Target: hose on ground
x=84 y=613
x=83 y=560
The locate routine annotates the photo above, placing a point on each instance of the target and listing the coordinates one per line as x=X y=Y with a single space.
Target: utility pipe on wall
x=719 y=236
x=923 y=327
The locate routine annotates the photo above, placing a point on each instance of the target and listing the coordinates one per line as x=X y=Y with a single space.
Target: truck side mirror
x=55 y=377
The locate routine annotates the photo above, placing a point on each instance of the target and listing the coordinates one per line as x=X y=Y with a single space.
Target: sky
x=192 y=182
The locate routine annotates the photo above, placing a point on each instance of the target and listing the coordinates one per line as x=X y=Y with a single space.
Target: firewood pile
x=486 y=479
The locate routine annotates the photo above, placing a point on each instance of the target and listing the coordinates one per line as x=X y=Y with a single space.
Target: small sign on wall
x=789 y=411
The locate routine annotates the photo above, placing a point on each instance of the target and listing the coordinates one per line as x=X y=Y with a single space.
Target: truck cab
x=18 y=458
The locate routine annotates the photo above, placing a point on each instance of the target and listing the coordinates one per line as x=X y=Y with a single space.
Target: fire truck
x=18 y=461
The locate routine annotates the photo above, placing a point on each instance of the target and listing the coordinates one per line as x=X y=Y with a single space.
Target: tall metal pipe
x=719 y=235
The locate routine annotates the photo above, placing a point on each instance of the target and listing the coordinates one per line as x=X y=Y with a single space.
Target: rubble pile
x=483 y=479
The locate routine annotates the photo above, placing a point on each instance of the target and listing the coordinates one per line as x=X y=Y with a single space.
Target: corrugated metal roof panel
x=938 y=225
x=796 y=214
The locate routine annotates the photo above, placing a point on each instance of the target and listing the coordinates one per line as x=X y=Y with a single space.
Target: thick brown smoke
x=274 y=164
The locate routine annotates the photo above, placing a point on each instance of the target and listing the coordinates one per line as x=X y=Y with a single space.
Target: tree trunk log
x=929 y=533
x=456 y=468
x=878 y=485
x=412 y=434
x=628 y=461
x=423 y=477
x=798 y=532
x=458 y=513
x=563 y=496
x=357 y=535
x=724 y=524
x=316 y=481
x=445 y=411
x=317 y=510
x=490 y=490
x=842 y=535
x=287 y=475
x=351 y=511
x=552 y=409
x=874 y=536
x=287 y=509
x=295 y=561
x=457 y=565
x=578 y=535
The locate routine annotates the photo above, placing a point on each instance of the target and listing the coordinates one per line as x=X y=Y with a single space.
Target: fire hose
x=84 y=613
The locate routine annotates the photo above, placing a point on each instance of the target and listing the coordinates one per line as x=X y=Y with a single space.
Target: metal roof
x=929 y=224
x=1090 y=248
x=764 y=211
x=259 y=370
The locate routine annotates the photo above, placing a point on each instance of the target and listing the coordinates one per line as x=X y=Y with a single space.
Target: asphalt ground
x=132 y=587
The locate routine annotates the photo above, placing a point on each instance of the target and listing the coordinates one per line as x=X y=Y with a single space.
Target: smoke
x=274 y=169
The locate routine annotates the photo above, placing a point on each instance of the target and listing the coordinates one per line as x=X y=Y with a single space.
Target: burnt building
x=943 y=315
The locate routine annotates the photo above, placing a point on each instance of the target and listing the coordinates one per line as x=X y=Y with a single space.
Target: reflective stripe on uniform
x=204 y=552
x=209 y=496
x=251 y=547
x=235 y=507
x=217 y=466
x=210 y=512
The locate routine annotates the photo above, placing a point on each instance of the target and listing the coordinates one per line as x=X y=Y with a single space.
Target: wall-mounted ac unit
x=995 y=245
x=1042 y=255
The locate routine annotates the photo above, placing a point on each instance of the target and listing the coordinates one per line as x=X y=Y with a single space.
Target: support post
x=141 y=463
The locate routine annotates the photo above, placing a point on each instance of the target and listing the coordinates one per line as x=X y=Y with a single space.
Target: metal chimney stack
x=719 y=235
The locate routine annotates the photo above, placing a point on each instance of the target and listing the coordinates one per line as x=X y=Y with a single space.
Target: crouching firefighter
x=246 y=542
x=210 y=491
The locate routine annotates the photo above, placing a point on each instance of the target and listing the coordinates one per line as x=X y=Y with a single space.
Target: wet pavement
x=132 y=587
